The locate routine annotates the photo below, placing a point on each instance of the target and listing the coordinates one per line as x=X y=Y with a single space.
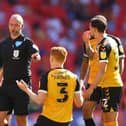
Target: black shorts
x=43 y=121
x=111 y=97
x=96 y=95
x=13 y=98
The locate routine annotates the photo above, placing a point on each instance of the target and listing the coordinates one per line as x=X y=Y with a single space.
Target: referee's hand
x=36 y=57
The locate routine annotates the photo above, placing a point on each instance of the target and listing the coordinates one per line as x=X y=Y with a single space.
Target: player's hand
x=82 y=87
x=1 y=83
x=86 y=36
x=88 y=92
x=22 y=85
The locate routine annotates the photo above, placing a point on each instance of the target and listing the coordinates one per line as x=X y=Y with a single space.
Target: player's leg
x=7 y=120
x=2 y=117
x=22 y=120
x=89 y=107
x=110 y=118
x=110 y=102
x=21 y=103
x=4 y=104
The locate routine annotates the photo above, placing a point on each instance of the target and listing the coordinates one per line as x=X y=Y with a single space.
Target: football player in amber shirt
x=58 y=89
x=104 y=77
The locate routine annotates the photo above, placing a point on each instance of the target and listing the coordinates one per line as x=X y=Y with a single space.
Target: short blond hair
x=59 y=53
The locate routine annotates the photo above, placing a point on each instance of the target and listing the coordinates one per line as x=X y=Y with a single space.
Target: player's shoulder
x=62 y=72
x=27 y=39
x=115 y=38
x=105 y=44
x=71 y=74
x=23 y=37
x=5 y=41
x=44 y=75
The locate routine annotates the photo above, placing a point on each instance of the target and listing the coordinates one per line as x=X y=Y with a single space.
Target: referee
x=16 y=54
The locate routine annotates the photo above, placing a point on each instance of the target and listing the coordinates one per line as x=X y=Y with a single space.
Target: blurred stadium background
x=61 y=22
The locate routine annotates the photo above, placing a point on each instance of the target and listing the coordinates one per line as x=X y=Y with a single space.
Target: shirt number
x=63 y=91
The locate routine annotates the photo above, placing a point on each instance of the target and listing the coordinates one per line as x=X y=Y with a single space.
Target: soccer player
x=105 y=69
x=16 y=53
x=58 y=89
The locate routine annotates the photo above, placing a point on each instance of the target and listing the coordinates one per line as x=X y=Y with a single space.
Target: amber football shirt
x=60 y=86
x=108 y=52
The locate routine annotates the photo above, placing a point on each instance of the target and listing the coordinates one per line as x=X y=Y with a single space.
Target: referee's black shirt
x=15 y=58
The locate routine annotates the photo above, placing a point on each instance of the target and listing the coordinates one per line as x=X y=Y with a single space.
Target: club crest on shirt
x=16 y=54
x=103 y=55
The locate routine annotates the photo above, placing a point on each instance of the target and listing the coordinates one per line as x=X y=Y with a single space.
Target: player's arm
x=35 y=56
x=121 y=65
x=84 y=66
x=121 y=56
x=88 y=53
x=78 y=98
x=104 y=52
x=99 y=74
x=85 y=59
x=1 y=76
x=33 y=50
x=121 y=53
x=1 y=69
x=98 y=77
x=37 y=98
x=84 y=69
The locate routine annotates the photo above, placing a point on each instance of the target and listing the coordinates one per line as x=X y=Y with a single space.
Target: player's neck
x=14 y=37
x=54 y=66
x=100 y=37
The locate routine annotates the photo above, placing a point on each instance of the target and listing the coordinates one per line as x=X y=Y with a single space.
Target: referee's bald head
x=17 y=17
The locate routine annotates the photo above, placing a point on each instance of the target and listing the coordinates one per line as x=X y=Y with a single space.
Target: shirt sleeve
x=32 y=48
x=43 y=87
x=104 y=52
x=77 y=89
x=120 y=48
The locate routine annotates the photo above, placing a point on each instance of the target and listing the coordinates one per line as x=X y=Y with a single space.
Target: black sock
x=5 y=124
x=89 y=122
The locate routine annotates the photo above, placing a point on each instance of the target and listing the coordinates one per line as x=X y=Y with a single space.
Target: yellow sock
x=110 y=123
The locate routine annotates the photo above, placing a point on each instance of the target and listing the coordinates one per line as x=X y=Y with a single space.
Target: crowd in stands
x=62 y=22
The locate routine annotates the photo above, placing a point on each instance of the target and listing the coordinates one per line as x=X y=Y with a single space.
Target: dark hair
x=99 y=22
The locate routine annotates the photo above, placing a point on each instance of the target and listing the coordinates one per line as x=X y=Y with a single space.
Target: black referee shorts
x=13 y=98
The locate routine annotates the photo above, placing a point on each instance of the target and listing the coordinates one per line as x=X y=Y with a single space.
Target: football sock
x=89 y=122
x=111 y=124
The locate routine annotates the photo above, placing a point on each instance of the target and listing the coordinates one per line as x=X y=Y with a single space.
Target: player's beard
x=14 y=33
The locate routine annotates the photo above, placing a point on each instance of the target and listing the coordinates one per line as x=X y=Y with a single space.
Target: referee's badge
x=16 y=54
